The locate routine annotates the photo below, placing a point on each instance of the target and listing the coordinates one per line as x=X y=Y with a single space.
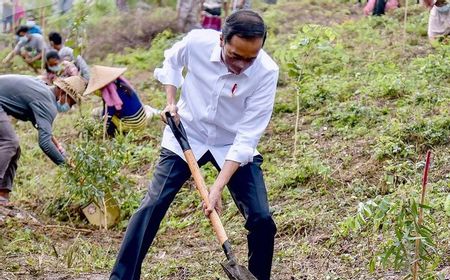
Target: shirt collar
x=216 y=57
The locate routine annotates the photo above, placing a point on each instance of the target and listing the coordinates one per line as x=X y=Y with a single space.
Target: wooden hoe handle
x=201 y=188
x=180 y=135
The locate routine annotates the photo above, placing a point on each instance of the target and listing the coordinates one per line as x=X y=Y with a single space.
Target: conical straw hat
x=73 y=86
x=101 y=76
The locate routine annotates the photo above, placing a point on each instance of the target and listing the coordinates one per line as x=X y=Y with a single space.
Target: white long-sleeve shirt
x=221 y=112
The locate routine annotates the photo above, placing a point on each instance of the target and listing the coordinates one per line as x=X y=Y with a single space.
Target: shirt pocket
x=234 y=90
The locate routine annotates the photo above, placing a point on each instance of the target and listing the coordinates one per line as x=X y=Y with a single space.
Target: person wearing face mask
x=56 y=68
x=28 y=98
x=439 y=21
x=30 y=47
x=226 y=102
x=66 y=54
x=33 y=27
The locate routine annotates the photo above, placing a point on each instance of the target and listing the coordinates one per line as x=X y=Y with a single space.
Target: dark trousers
x=247 y=189
x=9 y=153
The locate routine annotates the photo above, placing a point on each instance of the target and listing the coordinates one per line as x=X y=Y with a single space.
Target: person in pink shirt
x=19 y=12
x=371 y=7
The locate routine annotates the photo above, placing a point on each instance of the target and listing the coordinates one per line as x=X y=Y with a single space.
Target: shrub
x=102 y=167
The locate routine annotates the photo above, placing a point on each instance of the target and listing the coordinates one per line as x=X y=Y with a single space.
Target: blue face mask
x=62 y=108
x=443 y=9
x=23 y=39
x=55 y=69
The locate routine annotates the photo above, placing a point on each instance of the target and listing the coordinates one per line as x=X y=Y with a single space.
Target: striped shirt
x=132 y=115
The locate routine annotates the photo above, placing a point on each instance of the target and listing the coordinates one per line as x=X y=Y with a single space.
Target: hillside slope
x=370 y=103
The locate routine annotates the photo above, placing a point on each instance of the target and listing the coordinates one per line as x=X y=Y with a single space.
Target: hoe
x=233 y=270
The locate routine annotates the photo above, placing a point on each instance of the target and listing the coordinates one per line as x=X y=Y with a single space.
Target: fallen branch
x=67 y=227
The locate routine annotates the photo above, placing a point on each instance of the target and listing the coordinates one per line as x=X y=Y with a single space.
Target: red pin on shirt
x=233 y=90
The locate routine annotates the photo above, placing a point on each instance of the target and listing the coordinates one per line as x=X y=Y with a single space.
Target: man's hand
x=173 y=110
x=59 y=147
x=215 y=201
x=215 y=193
x=62 y=151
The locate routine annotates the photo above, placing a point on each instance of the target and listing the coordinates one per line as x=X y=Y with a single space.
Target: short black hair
x=55 y=38
x=52 y=54
x=245 y=24
x=22 y=28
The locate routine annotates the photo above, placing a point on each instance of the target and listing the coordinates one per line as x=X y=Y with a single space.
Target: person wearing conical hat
x=124 y=109
x=28 y=98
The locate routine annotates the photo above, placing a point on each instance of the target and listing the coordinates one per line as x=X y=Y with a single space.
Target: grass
x=370 y=108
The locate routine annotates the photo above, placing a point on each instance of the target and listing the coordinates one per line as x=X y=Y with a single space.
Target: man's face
x=239 y=54
x=23 y=34
x=63 y=97
x=53 y=62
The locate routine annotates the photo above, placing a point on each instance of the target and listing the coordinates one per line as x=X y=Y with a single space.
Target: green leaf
x=387 y=254
x=372 y=265
x=76 y=52
x=70 y=43
x=424 y=206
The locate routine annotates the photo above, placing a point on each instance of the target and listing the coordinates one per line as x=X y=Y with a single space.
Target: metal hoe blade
x=235 y=271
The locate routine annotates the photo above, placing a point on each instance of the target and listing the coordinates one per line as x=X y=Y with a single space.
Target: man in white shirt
x=225 y=105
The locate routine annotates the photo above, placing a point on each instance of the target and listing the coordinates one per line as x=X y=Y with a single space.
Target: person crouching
x=122 y=106
x=28 y=98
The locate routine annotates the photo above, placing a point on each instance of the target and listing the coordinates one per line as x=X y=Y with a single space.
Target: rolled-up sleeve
x=175 y=59
x=258 y=110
